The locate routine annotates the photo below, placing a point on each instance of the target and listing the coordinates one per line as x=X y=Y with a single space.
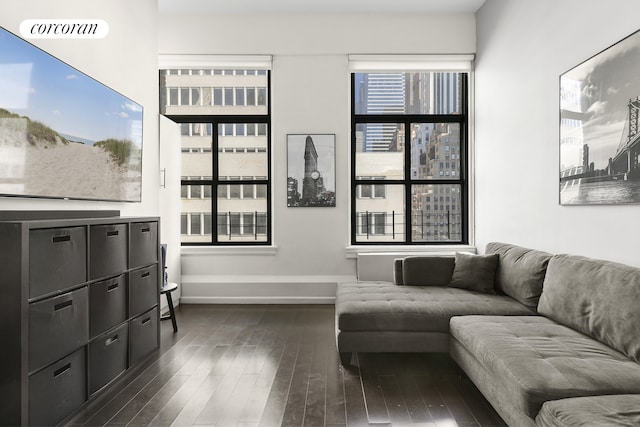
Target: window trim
x=215 y=121
x=462 y=64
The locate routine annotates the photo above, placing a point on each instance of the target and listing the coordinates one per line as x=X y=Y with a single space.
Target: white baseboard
x=242 y=289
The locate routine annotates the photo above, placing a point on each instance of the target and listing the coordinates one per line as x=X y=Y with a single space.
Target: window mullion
x=215 y=181
x=408 y=212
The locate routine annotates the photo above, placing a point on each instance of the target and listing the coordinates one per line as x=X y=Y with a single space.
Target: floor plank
x=276 y=365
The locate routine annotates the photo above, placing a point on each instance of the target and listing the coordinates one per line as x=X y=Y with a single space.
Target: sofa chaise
x=554 y=342
x=412 y=314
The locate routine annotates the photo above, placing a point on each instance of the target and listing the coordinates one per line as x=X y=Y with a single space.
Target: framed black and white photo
x=311 y=177
x=599 y=127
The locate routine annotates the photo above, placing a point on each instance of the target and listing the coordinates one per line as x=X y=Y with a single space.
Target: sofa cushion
x=383 y=306
x=598 y=298
x=534 y=359
x=520 y=272
x=426 y=270
x=622 y=410
x=474 y=272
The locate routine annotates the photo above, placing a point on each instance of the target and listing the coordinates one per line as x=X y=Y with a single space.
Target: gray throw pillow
x=475 y=272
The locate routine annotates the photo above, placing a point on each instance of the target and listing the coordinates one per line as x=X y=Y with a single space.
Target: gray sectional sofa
x=550 y=340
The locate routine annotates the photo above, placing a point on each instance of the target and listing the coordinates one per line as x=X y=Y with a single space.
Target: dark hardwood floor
x=265 y=365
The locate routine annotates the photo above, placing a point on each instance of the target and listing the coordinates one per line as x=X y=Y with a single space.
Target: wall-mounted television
x=62 y=133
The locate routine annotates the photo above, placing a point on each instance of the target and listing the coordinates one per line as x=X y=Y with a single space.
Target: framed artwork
x=600 y=127
x=311 y=176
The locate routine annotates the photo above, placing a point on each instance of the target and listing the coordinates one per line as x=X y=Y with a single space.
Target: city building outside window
x=409 y=163
x=225 y=119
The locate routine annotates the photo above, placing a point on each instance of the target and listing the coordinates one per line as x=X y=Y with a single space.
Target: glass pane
x=196 y=150
x=173 y=96
x=244 y=154
x=379 y=151
x=240 y=96
x=214 y=92
x=228 y=96
x=242 y=219
x=437 y=213
x=195 y=96
x=251 y=96
x=196 y=215
x=408 y=93
x=196 y=223
x=184 y=224
x=184 y=96
x=380 y=219
x=217 y=96
x=435 y=151
x=247 y=191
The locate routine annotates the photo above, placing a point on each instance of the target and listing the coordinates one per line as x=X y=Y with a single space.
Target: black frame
x=216 y=120
x=617 y=181
x=290 y=142
x=61 y=190
x=407 y=119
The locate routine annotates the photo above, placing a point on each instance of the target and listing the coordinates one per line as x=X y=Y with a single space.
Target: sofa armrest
x=425 y=270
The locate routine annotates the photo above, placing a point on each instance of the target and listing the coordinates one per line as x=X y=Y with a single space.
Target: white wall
x=169 y=193
x=125 y=60
x=522 y=48
x=310 y=94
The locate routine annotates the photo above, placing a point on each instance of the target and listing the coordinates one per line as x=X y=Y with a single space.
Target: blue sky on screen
x=43 y=88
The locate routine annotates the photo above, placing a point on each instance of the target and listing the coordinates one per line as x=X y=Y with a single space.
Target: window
x=226 y=147
x=409 y=151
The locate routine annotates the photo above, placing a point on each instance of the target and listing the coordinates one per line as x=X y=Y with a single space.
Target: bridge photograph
x=600 y=127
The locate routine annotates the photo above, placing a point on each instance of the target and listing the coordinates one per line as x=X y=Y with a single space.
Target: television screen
x=62 y=133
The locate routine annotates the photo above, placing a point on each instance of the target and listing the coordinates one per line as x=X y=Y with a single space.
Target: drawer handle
x=63 y=305
x=62 y=370
x=112 y=287
x=145 y=230
x=146 y=274
x=111 y=341
x=61 y=239
x=112 y=233
x=147 y=320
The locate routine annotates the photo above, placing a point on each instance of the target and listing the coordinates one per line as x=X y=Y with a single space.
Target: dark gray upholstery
x=475 y=272
x=383 y=306
x=571 y=362
x=426 y=271
x=520 y=271
x=615 y=410
x=534 y=359
x=598 y=298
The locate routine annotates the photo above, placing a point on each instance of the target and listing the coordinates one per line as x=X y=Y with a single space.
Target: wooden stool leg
x=172 y=313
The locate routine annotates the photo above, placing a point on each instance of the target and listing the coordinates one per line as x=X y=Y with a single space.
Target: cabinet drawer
x=108 y=250
x=143 y=335
x=57 y=326
x=57 y=390
x=143 y=289
x=108 y=357
x=57 y=259
x=144 y=244
x=107 y=304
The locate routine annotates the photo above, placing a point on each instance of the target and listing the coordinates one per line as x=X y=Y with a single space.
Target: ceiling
x=319 y=6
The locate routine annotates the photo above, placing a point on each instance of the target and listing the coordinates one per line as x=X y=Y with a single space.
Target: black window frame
x=462 y=119
x=216 y=180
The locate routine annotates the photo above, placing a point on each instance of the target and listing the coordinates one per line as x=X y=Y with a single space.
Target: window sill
x=354 y=251
x=229 y=250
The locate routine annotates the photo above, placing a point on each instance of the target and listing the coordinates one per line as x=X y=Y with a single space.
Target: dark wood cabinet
x=79 y=301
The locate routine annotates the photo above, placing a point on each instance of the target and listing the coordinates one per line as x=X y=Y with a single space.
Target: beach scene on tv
x=62 y=133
